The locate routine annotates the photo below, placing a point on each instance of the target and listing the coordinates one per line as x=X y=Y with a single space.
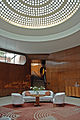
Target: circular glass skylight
x=37 y=13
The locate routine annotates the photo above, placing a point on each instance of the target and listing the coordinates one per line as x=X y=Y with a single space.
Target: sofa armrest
x=23 y=94
x=51 y=93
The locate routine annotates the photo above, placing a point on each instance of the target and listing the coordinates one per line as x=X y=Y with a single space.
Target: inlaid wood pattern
x=13 y=78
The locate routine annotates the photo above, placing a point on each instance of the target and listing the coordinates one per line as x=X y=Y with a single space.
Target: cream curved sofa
x=28 y=98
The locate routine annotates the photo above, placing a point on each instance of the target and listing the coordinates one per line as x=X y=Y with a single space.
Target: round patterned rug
x=45 y=111
x=46 y=114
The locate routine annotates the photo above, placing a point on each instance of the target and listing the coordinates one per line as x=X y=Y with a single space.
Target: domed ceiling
x=37 y=13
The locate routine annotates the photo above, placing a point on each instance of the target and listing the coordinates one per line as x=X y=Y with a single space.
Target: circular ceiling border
x=23 y=15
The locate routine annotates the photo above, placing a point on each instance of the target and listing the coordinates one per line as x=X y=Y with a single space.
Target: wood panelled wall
x=12 y=73
x=63 y=69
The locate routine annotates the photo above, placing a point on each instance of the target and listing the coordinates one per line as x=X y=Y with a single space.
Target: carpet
x=45 y=111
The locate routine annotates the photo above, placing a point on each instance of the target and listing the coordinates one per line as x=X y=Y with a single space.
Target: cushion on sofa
x=27 y=93
x=47 y=93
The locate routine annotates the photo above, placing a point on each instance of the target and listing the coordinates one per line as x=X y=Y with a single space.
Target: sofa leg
x=58 y=105
x=18 y=105
x=54 y=105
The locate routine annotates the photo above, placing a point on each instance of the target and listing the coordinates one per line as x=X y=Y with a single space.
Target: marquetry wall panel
x=35 y=69
x=14 y=78
x=63 y=69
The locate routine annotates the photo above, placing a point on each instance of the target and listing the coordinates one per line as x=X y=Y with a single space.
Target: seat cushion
x=46 y=98
x=15 y=94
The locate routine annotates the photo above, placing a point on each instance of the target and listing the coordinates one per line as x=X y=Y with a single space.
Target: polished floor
x=70 y=100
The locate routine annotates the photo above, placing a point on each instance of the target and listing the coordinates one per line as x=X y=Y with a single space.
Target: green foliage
x=2 y=53
x=37 y=88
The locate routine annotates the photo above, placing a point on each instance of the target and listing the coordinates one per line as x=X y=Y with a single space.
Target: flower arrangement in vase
x=37 y=89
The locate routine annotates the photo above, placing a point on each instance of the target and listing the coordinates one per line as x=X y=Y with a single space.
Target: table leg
x=37 y=101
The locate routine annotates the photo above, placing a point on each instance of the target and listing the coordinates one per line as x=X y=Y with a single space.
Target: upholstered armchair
x=5 y=118
x=59 y=98
x=17 y=99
